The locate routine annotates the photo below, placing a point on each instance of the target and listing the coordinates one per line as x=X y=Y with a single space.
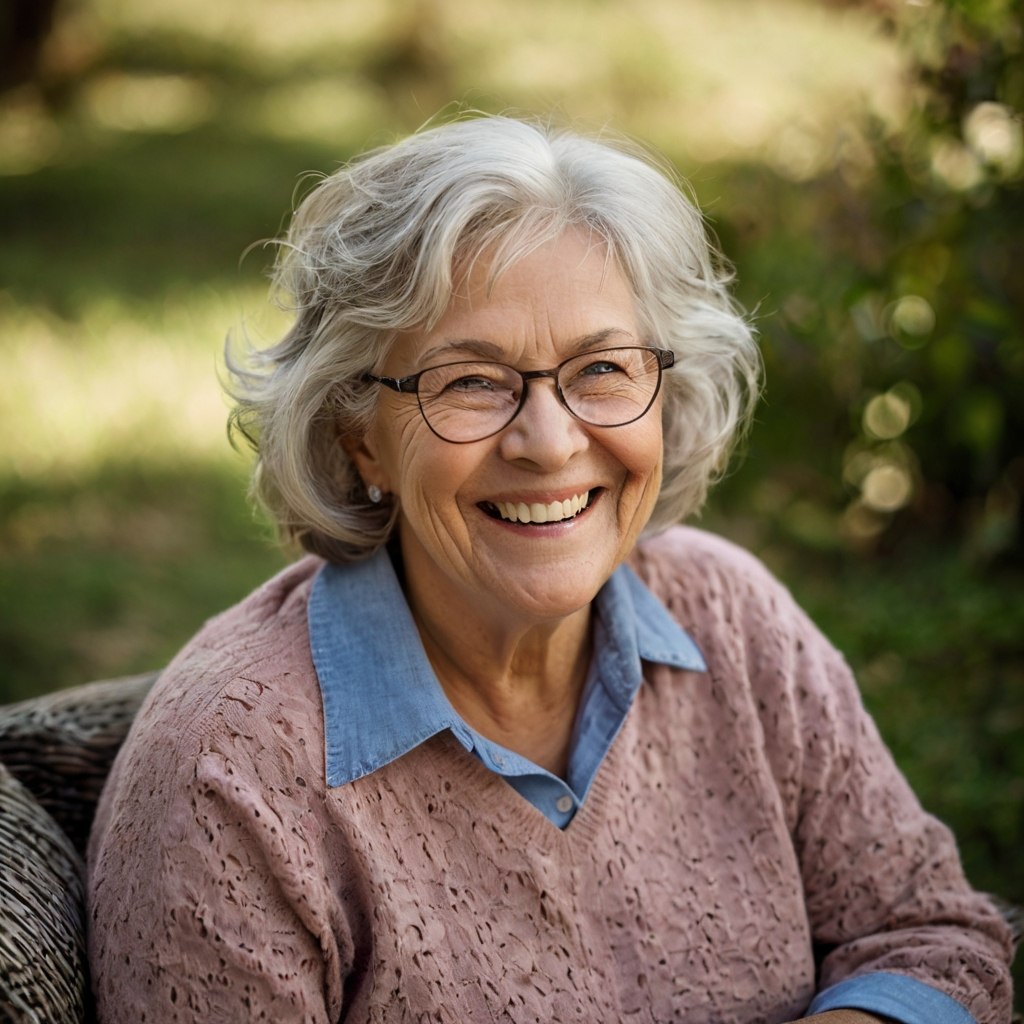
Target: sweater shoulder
x=685 y=563
x=250 y=662
x=278 y=604
x=244 y=684
x=754 y=638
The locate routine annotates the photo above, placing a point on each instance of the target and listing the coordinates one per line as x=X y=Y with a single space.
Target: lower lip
x=546 y=529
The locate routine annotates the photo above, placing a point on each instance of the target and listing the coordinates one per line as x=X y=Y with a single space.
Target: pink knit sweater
x=740 y=814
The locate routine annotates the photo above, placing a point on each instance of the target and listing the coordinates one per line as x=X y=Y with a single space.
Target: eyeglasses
x=469 y=401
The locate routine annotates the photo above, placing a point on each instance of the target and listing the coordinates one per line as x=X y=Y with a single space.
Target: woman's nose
x=544 y=432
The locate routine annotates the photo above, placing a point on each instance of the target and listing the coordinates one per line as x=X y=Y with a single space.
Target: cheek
x=640 y=452
x=398 y=433
x=427 y=472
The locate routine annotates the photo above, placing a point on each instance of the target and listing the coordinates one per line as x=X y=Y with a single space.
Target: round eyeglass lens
x=469 y=401
x=612 y=387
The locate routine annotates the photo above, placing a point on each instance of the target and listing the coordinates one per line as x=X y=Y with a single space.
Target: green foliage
x=900 y=277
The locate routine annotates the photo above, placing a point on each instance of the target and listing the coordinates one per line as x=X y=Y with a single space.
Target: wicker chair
x=55 y=754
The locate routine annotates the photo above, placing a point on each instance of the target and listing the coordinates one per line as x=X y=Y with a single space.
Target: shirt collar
x=380 y=694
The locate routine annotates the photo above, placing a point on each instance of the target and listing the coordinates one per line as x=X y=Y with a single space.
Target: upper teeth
x=520 y=512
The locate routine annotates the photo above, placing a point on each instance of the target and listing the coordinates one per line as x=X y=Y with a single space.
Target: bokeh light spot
x=887 y=416
x=955 y=165
x=912 y=316
x=148 y=103
x=995 y=136
x=887 y=488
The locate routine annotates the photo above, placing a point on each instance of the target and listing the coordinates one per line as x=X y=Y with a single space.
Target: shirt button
x=564 y=804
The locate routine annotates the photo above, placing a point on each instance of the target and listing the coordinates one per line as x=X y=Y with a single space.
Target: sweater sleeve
x=207 y=895
x=203 y=904
x=883 y=884
x=884 y=891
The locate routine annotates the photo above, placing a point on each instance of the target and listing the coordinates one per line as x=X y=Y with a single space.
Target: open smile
x=537 y=513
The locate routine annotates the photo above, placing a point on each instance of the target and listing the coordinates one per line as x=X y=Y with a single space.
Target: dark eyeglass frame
x=411 y=386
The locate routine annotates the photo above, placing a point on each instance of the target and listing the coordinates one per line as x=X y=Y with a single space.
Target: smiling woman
x=379 y=250
x=510 y=745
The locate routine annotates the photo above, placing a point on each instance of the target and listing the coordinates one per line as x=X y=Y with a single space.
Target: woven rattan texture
x=60 y=746
x=42 y=931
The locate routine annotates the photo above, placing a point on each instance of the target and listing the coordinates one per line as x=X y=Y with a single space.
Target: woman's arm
x=203 y=906
x=884 y=891
x=882 y=879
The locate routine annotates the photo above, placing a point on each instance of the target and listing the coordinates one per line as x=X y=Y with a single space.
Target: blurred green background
x=861 y=163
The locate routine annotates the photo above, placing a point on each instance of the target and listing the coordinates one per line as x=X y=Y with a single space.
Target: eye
x=600 y=368
x=470 y=384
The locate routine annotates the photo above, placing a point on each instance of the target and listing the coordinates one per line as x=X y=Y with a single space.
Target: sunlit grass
x=120 y=384
x=111 y=572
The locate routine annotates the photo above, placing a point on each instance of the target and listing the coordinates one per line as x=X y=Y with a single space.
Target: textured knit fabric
x=382 y=698
x=741 y=814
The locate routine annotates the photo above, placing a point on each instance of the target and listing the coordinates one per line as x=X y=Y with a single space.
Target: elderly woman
x=509 y=745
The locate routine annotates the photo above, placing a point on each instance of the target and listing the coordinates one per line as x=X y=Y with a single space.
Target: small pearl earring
x=375 y=493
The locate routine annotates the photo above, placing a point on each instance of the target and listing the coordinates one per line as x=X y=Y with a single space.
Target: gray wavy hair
x=372 y=250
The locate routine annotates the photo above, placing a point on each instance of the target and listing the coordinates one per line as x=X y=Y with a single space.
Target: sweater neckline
x=527 y=820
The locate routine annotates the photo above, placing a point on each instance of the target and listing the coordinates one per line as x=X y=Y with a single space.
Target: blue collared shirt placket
x=382 y=698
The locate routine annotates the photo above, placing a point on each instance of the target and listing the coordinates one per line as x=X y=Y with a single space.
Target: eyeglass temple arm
x=666 y=358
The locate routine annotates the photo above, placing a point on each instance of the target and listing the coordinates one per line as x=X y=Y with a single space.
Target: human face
x=457 y=548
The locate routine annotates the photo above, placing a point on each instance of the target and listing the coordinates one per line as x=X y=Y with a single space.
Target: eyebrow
x=489 y=350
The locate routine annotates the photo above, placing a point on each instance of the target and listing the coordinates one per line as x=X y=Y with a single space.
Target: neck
x=515 y=680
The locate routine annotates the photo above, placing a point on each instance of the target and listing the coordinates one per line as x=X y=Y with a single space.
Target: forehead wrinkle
x=489 y=350
x=478 y=346
x=588 y=341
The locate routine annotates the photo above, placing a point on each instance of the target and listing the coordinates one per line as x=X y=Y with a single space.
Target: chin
x=549 y=594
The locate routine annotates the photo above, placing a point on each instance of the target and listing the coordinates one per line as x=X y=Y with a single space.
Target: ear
x=364 y=452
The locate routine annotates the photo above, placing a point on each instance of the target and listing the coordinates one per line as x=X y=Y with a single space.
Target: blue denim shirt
x=382 y=698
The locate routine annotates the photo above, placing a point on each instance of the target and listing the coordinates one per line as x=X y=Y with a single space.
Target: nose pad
x=532 y=390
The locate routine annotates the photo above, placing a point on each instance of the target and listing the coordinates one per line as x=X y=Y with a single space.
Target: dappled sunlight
x=707 y=80
x=786 y=82
x=778 y=81
x=326 y=110
x=172 y=103
x=29 y=135
x=262 y=33
x=120 y=384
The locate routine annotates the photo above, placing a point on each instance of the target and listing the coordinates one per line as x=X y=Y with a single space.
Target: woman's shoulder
x=252 y=657
x=280 y=601
x=231 y=690
x=726 y=599
x=683 y=561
